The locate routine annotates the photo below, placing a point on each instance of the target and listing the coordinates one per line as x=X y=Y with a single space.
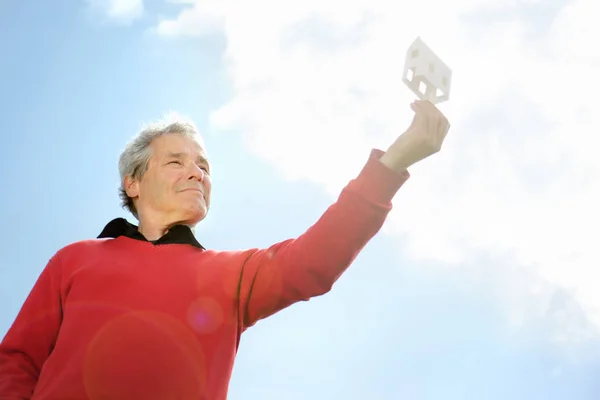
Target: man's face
x=175 y=189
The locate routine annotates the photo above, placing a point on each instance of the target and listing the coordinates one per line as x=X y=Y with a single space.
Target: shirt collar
x=178 y=234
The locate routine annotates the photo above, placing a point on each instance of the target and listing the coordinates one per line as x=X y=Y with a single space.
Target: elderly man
x=145 y=312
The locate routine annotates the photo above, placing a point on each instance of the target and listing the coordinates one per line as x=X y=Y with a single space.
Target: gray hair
x=134 y=159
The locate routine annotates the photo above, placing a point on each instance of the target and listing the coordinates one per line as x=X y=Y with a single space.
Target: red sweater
x=127 y=319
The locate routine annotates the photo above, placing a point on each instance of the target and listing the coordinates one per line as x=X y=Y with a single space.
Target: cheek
x=207 y=186
x=159 y=193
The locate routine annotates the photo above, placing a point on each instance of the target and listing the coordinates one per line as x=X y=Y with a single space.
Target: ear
x=131 y=186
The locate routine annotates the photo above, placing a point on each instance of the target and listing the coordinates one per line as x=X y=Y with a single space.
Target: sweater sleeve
x=30 y=339
x=308 y=266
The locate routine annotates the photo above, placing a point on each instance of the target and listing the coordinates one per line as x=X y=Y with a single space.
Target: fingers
x=445 y=128
x=431 y=122
x=421 y=113
x=419 y=119
x=434 y=117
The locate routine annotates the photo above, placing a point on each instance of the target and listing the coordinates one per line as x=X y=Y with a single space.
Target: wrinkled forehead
x=177 y=143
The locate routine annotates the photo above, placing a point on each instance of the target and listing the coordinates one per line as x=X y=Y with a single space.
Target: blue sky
x=483 y=283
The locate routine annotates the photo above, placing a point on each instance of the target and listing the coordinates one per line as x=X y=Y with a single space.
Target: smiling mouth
x=194 y=190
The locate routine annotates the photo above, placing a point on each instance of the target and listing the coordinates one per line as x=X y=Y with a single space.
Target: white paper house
x=426 y=74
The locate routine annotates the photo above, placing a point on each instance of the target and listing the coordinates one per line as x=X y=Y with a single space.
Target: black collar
x=179 y=234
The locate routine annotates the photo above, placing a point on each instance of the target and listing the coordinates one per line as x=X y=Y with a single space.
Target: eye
x=203 y=168
x=175 y=162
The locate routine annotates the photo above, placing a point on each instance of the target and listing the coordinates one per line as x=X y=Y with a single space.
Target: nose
x=197 y=173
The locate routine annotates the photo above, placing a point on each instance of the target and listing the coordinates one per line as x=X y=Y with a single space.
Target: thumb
x=418 y=117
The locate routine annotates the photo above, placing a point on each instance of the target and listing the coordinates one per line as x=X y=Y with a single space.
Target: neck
x=152 y=232
x=152 y=228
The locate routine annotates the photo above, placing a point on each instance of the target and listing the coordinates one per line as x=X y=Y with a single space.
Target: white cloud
x=316 y=83
x=122 y=11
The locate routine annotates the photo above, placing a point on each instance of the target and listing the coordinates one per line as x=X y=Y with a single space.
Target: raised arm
x=31 y=337
x=308 y=266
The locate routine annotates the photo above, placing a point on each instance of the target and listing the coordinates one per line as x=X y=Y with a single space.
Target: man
x=147 y=313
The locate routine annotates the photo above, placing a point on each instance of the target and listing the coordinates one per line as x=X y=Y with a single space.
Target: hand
x=423 y=137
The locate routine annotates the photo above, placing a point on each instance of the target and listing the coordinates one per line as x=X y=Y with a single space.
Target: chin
x=193 y=217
